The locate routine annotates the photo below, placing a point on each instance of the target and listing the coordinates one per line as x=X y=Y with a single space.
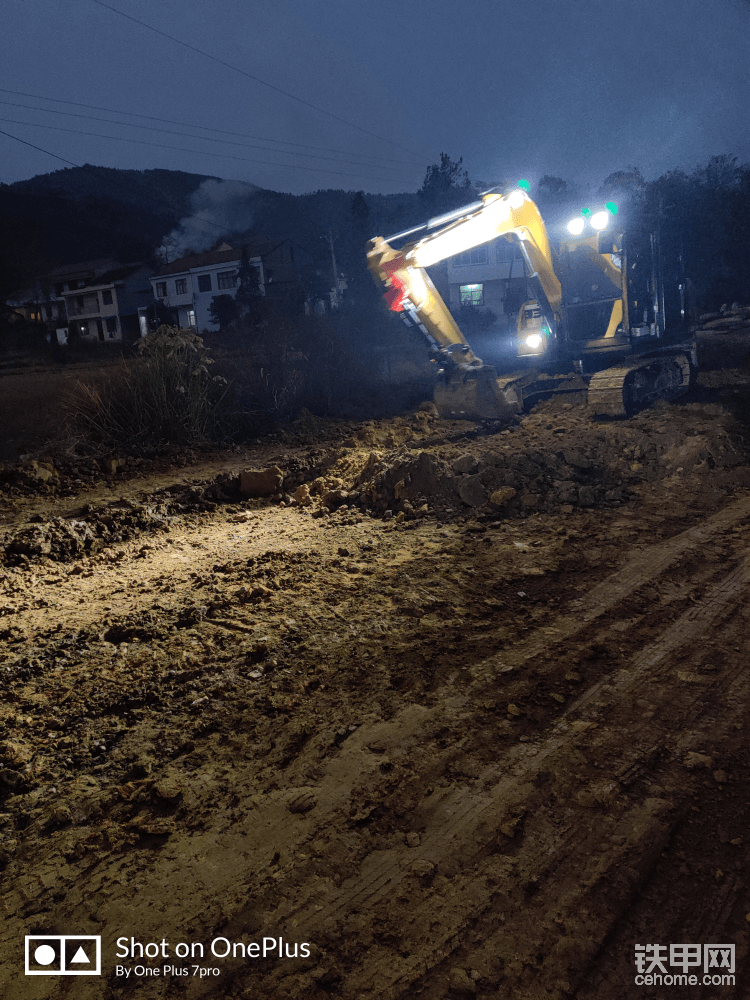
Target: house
x=43 y=302
x=490 y=277
x=105 y=307
x=188 y=284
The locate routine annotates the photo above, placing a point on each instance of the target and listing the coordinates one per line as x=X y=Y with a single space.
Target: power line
x=257 y=79
x=197 y=152
x=47 y=151
x=207 y=128
x=187 y=135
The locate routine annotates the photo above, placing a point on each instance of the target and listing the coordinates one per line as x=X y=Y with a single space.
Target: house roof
x=119 y=273
x=260 y=247
x=108 y=278
x=86 y=266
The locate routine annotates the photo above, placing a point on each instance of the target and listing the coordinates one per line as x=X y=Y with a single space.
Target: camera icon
x=63 y=955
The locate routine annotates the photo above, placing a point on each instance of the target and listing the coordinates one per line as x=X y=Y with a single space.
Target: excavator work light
x=515 y=200
x=575 y=226
x=534 y=341
x=600 y=220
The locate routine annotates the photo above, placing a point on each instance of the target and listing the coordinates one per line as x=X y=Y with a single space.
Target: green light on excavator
x=611 y=208
x=524 y=185
x=586 y=212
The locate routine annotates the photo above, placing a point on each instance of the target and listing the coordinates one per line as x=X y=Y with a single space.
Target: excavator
x=597 y=310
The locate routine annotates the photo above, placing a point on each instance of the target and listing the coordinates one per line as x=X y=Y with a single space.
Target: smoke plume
x=217 y=208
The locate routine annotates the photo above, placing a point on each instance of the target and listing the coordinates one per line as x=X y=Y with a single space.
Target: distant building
x=188 y=284
x=96 y=300
x=105 y=307
x=491 y=276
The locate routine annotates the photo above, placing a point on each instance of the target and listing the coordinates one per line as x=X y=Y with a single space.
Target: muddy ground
x=459 y=712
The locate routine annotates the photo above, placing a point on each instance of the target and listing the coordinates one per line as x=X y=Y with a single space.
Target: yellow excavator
x=597 y=309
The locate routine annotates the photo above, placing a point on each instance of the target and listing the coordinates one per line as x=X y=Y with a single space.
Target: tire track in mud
x=457 y=821
x=465 y=863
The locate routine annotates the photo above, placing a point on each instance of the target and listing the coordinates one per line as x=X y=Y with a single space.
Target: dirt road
x=468 y=718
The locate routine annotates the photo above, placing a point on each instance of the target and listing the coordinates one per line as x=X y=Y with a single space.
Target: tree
x=553 y=187
x=248 y=298
x=446 y=186
x=223 y=310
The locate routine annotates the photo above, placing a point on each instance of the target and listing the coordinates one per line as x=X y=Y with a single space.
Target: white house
x=189 y=284
x=491 y=276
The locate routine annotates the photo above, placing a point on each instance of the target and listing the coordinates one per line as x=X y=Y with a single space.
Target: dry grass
x=165 y=394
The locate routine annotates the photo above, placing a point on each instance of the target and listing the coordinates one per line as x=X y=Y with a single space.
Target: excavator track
x=620 y=391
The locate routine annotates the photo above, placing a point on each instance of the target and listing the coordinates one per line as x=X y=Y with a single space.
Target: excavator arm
x=470 y=388
x=408 y=286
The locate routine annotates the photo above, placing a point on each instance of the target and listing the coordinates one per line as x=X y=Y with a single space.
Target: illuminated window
x=180 y=286
x=161 y=289
x=479 y=255
x=472 y=295
x=191 y=317
x=226 y=279
x=204 y=282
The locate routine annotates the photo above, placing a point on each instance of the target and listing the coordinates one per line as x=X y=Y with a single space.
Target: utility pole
x=336 y=279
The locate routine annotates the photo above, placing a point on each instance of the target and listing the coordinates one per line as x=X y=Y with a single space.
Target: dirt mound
x=556 y=459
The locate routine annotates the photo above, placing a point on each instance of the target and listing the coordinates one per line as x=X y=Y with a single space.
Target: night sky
x=577 y=89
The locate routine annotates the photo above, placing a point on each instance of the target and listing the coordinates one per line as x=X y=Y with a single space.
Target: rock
x=720 y=777
x=466 y=463
x=413 y=839
x=112 y=465
x=693 y=759
x=502 y=496
x=261 y=482
x=472 y=491
x=302 y=495
x=423 y=867
x=461 y=983
x=168 y=789
x=334 y=498
x=10 y=778
x=42 y=472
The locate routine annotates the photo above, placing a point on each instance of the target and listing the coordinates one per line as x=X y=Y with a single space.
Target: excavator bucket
x=475 y=396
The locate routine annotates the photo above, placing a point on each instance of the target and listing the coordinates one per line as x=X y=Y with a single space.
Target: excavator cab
x=533 y=335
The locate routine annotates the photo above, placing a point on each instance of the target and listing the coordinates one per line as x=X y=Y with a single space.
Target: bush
x=165 y=394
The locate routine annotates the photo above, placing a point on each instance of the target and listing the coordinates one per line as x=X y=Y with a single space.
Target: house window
x=204 y=282
x=111 y=322
x=180 y=286
x=191 y=317
x=479 y=255
x=472 y=295
x=79 y=301
x=161 y=289
x=107 y=298
x=226 y=279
